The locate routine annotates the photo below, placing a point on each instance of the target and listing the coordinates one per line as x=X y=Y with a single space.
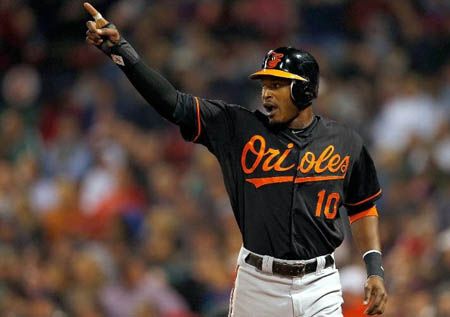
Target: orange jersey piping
x=372 y=211
x=199 y=124
x=365 y=200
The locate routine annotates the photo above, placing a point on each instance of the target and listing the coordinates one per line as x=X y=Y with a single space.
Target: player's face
x=277 y=101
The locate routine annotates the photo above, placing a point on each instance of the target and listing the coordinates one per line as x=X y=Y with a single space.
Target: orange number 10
x=332 y=199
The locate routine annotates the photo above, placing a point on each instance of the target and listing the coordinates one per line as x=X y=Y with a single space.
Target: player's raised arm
x=155 y=89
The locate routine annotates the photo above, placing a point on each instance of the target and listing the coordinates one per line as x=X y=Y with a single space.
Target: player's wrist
x=374 y=266
x=124 y=54
x=120 y=51
x=375 y=277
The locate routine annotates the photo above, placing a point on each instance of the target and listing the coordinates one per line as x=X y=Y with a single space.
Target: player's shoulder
x=250 y=118
x=239 y=110
x=341 y=129
x=228 y=106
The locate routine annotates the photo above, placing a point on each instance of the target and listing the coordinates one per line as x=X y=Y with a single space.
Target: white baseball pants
x=262 y=294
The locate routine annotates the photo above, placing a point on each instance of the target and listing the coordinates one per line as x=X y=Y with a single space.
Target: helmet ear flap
x=295 y=93
x=301 y=93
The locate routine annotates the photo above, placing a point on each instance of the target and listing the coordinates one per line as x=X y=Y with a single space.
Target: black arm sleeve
x=155 y=89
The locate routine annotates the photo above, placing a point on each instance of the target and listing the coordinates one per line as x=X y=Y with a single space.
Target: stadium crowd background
x=105 y=211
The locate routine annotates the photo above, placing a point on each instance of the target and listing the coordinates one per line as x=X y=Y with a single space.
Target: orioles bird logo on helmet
x=274 y=59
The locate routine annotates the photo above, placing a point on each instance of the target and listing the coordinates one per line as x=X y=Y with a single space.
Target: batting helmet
x=295 y=64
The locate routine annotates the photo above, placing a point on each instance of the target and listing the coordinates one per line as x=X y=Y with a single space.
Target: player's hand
x=100 y=30
x=375 y=296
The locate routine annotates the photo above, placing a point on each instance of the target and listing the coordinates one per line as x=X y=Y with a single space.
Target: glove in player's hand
x=100 y=33
x=375 y=296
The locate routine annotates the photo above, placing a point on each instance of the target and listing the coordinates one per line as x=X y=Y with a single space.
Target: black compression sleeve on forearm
x=155 y=89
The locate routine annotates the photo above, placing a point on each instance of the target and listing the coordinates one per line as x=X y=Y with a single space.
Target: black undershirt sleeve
x=155 y=89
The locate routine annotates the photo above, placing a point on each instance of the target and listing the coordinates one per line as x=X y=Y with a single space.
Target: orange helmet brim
x=275 y=73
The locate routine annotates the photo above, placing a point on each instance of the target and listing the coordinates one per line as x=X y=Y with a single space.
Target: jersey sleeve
x=363 y=188
x=208 y=122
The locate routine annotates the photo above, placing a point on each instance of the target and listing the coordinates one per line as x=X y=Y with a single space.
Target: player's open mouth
x=270 y=108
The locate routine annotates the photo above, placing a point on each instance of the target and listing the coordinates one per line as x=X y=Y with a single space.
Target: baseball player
x=287 y=172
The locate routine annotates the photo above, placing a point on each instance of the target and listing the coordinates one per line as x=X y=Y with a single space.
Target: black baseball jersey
x=285 y=188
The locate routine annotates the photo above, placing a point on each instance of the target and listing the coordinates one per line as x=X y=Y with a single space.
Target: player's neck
x=304 y=119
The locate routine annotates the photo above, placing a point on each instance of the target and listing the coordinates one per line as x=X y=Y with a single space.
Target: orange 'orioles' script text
x=256 y=154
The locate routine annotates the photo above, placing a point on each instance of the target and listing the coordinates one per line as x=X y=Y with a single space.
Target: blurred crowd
x=106 y=212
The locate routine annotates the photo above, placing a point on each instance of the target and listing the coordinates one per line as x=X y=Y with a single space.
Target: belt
x=287 y=269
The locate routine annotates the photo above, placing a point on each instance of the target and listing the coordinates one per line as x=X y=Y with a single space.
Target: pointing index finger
x=99 y=20
x=91 y=10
